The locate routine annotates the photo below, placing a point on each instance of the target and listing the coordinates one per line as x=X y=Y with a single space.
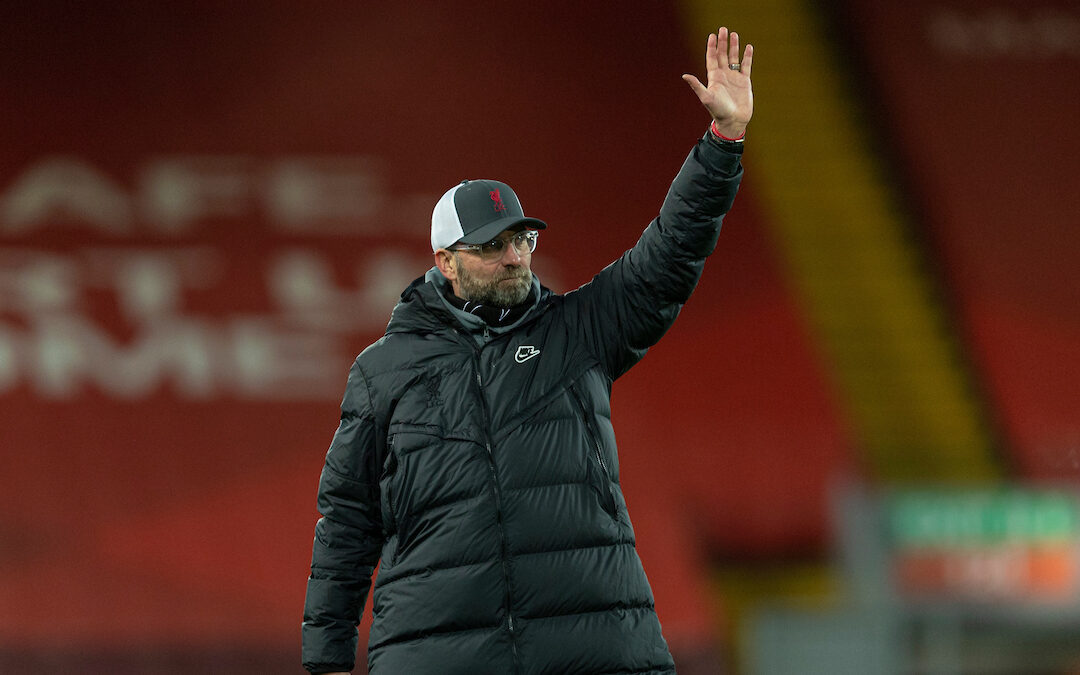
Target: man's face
x=504 y=282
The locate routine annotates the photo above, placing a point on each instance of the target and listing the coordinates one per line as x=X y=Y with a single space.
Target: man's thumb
x=695 y=84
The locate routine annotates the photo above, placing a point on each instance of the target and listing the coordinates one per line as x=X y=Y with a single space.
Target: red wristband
x=716 y=132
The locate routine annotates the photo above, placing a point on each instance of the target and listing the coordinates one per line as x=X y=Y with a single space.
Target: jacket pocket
x=599 y=476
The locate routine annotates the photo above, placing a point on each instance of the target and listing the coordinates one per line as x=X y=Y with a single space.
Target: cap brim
x=495 y=228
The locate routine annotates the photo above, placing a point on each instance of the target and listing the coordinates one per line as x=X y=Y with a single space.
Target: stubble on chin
x=497 y=292
x=511 y=294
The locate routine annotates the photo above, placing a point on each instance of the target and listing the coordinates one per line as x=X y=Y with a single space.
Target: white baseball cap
x=475 y=212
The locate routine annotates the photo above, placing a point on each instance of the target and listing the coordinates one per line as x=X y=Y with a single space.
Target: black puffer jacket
x=482 y=473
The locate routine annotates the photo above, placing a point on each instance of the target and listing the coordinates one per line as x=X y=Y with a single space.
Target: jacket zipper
x=598 y=452
x=387 y=505
x=505 y=549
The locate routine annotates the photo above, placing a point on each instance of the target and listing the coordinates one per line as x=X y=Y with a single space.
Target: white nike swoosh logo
x=525 y=353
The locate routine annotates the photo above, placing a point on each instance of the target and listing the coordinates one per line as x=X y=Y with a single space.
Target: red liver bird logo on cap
x=499 y=206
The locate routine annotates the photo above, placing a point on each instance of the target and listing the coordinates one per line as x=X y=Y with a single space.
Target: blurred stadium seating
x=206 y=211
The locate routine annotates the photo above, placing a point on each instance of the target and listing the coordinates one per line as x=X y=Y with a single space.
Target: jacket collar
x=423 y=308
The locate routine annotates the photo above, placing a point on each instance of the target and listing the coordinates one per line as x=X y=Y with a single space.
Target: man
x=475 y=460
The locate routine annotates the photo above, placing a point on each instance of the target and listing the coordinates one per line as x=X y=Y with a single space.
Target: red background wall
x=170 y=378
x=978 y=104
x=205 y=212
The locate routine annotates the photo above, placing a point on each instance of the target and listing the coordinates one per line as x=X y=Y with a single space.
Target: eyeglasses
x=524 y=243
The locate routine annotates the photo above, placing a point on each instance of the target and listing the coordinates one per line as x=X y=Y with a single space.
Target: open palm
x=728 y=96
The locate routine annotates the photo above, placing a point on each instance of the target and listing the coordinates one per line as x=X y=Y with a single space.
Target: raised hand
x=728 y=97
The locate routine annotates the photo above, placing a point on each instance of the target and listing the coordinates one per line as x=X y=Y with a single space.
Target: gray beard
x=494 y=293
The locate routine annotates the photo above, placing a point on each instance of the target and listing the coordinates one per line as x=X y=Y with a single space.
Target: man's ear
x=444 y=260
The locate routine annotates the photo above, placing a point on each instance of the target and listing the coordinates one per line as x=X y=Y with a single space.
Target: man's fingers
x=711 y=63
x=719 y=47
x=733 y=48
x=747 y=60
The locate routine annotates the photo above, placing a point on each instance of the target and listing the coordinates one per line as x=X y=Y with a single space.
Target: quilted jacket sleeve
x=348 y=537
x=629 y=305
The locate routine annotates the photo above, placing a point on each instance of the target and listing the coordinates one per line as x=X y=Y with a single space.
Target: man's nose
x=510 y=254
